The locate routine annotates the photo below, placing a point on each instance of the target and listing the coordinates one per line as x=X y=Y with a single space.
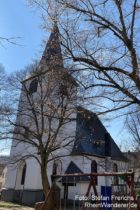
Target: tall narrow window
x=23 y=175
x=33 y=86
x=94 y=170
x=54 y=172
x=26 y=133
x=115 y=169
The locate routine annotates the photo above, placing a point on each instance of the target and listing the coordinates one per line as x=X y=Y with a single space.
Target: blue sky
x=19 y=20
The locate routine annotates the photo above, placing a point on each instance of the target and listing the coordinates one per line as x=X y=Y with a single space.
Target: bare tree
x=101 y=37
x=9 y=40
x=2 y=76
x=133 y=126
x=3 y=97
x=45 y=111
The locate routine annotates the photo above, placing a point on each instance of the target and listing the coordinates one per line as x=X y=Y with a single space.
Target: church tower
x=48 y=91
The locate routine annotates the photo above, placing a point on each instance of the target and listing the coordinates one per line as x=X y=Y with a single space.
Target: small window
x=63 y=90
x=23 y=175
x=33 y=86
x=94 y=170
x=115 y=169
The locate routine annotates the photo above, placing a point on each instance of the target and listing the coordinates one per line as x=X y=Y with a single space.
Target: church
x=89 y=145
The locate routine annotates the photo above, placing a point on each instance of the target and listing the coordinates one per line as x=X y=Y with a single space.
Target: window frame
x=33 y=86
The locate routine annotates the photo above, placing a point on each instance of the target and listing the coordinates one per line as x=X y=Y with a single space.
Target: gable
x=73 y=169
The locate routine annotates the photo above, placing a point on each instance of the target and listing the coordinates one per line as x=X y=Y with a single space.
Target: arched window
x=26 y=133
x=33 y=86
x=94 y=170
x=23 y=175
x=115 y=169
x=55 y=165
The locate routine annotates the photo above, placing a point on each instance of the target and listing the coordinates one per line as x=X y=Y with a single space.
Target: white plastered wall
x=84 y=163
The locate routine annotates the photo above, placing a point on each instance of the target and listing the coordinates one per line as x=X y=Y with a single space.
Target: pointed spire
x=52 y=55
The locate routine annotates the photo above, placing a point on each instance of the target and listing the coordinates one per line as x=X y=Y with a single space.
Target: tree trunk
x=49 y=195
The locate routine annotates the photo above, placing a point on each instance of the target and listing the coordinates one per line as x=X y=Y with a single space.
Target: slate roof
x=52 y=54
x=90 y=137
x=73 y=168
x=52 y=59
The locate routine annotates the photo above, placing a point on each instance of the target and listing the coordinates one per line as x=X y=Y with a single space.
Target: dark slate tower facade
x=52 y=60
x=52 y=55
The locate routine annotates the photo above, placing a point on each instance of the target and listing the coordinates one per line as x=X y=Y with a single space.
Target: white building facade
x=90 y=148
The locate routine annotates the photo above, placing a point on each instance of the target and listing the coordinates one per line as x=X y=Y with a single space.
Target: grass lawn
x=8 y=205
